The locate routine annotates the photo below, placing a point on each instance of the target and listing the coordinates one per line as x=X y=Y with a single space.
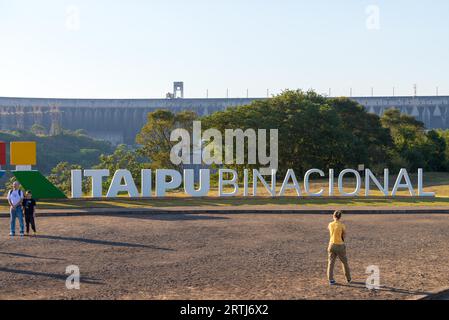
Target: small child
x=29 y=206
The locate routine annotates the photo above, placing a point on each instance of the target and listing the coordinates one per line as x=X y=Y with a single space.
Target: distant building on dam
x=119 y=120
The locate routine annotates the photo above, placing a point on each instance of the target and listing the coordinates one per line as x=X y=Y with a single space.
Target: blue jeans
x=16 y=214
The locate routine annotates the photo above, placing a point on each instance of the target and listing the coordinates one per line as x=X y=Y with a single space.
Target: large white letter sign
x=257 y=176
x=222 y=182
x=128 y=186
x=161 y=181
x=331 y=182
x=245 y=182
x=97 y=181
x=287 y=185
x=307 y=186
x=189 y=183
x=369 y=176
x=421 y=192
x=403 y=174
x=77 y=190
x=145 y=182
x=358 y=183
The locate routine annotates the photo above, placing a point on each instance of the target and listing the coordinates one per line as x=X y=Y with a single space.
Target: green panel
x=38 y=184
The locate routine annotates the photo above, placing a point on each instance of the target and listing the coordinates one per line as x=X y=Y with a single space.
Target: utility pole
x=268 y=93
x=350 y=93
x=372 y=92
x=330 y=92
x=437 y=91
x=247 y=93
x=227 y=93
x=393 y=91
x=207 y=94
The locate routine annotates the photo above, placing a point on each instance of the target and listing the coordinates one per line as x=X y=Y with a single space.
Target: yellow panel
x=23 y=153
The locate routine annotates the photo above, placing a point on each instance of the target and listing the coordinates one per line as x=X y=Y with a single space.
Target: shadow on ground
x=362 y=286
x=55 y=276
x=166 y=217
x=22 y=255
x=103 y=242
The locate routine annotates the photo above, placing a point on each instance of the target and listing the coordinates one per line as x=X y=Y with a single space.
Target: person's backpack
x=20 y=193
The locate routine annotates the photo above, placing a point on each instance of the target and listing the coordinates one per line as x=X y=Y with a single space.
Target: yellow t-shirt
x=336 y=229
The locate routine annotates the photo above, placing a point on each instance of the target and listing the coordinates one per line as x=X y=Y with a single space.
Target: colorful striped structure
x=23 y=156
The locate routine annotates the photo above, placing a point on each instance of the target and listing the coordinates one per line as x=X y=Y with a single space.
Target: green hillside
x=72 y=147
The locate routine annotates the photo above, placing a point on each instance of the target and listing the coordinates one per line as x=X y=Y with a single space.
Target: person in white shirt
x=15 y=198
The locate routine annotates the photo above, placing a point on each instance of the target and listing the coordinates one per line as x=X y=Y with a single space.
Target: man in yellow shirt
x=337 y=248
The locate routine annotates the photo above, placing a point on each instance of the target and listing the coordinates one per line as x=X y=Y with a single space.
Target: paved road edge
x=183 y=210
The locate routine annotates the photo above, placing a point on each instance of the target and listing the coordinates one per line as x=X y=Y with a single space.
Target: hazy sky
x=137 y=48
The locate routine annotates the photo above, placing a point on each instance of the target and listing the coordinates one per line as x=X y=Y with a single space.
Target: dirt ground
x=222 y=257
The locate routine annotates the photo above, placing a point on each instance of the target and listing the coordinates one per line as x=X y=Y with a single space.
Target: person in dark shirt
x=29 y=206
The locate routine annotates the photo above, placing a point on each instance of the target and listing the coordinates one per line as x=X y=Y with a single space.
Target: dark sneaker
x=332 y=282
x=349 y=281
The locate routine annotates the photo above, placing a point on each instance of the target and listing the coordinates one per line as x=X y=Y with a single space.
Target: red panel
x=2 y=153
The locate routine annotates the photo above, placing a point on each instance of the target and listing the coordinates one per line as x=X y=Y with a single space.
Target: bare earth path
x=176 y=256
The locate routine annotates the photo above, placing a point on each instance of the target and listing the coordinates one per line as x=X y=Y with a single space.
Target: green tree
x=435 y=149
x=444 y=134
x=405 y=130
x=61 y=175
x=37 y=129
x=417 y=148
x=370 y=142
x=154 y=137
x=313 y=131
x=122 y=158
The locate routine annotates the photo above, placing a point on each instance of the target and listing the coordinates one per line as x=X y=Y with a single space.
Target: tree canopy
x=314 y=132
x=154 y=137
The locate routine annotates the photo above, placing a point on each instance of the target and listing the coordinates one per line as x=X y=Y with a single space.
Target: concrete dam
x=119 y=120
